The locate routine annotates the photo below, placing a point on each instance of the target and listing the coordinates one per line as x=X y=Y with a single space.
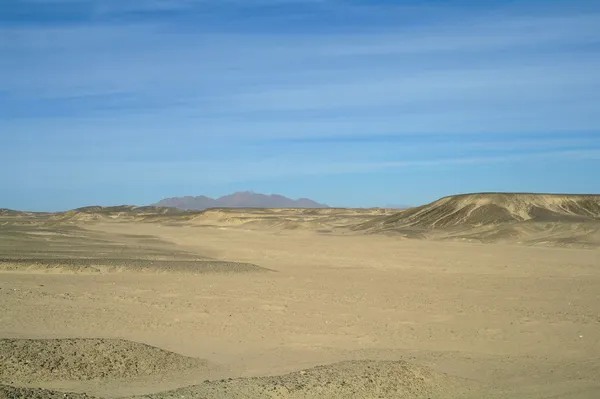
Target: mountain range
x=244 y=199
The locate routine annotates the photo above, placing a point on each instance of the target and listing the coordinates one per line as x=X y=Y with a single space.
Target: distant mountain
x=244 y=199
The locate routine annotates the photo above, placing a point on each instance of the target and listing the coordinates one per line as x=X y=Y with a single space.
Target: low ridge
x=129 y=209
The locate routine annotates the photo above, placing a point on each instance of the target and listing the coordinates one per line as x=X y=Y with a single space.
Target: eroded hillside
x=569 y=220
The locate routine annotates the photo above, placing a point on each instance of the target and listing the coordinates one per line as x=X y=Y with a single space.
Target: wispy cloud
x=331 y=87
x=427 y=69
x=116 y=174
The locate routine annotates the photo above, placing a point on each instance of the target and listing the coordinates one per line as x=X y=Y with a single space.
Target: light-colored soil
x=412 y=317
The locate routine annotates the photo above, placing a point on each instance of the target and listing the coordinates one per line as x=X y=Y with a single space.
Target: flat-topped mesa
x=495 y=208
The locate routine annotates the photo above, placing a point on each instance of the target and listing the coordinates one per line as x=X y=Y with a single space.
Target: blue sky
x=349 y=102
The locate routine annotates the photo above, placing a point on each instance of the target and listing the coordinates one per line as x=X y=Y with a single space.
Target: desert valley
x=473 y=296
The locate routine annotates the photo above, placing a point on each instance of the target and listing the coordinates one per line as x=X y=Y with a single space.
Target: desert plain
x=480 y=296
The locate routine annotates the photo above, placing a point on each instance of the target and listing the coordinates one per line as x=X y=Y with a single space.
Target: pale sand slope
x=522 y=321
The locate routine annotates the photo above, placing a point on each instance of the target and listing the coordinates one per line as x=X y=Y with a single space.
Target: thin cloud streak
x=214 y=173
x=149 y=50
x=99 y=94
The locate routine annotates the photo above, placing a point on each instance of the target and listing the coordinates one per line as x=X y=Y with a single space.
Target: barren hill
x=540 y=219
x=245 y=199
x=494 y=208
x=565 y=219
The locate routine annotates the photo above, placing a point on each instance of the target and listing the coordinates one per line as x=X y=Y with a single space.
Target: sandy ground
x=518 y=321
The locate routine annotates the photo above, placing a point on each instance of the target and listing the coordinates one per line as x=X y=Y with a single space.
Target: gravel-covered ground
x=520 y=321
x=35 y=360
x=131 y=265
x=350 y=379
x=10 y=392
x=72 y=249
